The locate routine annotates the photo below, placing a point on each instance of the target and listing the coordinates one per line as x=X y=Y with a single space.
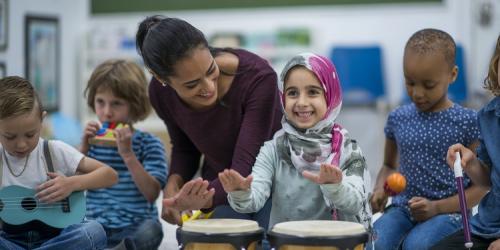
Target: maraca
x=394 y=184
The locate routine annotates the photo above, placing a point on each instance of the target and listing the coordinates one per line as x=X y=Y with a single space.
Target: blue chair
x=65 y=128
x=361 y=73
x=457 y=92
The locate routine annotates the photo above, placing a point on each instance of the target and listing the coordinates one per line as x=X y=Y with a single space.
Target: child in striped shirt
x=117 y=93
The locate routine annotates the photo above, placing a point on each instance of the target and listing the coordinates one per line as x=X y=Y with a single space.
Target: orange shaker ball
x=395 y=184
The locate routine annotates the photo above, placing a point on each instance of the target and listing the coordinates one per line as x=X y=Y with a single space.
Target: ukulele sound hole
x=28 y=203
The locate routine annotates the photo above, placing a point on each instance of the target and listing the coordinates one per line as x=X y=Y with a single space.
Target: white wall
x=73 y=16
x=389 y=25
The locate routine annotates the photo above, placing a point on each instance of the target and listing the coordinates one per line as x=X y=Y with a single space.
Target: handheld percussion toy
x=394 y=184
x=105 y=136
x=457 y=169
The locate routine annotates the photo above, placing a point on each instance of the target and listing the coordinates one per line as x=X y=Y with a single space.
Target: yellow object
x=198 y=214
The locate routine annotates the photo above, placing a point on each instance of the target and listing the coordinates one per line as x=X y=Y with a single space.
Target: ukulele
x=18 y=205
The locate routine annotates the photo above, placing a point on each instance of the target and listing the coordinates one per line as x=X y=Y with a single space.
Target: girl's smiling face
x=305 y=103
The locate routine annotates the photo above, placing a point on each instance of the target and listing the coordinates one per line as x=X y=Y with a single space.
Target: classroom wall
x=388 y=25
x=73 y=16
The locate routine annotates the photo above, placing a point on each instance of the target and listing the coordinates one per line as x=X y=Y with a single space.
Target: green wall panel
x=120 y=6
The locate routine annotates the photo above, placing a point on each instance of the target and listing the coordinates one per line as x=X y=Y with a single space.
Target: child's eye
x=116 y=104
x=9 y=138
x=409 y=83
x=429 y=85
x=30 y=135
x=314 y=92
x=292 y=93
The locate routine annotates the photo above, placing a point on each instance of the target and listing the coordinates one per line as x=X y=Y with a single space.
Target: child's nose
x=108 y=111
x=302 y=100
x=417 y=92
x=21 y=144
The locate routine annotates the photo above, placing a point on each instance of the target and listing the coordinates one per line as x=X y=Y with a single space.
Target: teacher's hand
x=192 y=196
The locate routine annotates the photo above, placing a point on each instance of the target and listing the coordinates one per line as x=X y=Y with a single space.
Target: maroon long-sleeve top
x=231 y=133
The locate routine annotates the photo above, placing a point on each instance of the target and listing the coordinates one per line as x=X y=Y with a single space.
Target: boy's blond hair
x=491 y=82
x=429 y=41
x=17 y=97
x=126 y=80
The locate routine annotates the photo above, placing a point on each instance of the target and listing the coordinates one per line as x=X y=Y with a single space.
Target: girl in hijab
x=311 y=168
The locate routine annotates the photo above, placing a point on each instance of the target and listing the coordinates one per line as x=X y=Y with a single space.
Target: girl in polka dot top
x=417 y=138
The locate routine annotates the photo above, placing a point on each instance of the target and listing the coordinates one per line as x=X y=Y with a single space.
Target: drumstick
x=457 y=169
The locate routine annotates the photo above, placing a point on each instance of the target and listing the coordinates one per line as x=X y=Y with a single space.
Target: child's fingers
x=223 y=179
x=310 y=176
x=416 y=203
x=248 y=181
x=234 y=174
x=45 y=185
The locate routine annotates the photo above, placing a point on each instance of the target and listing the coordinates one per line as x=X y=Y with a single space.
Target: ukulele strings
x=13 y=202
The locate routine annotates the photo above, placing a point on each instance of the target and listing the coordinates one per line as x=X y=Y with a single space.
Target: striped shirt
x=123 y=204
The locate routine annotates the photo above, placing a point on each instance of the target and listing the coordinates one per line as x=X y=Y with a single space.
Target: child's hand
x=422 y=209
x=192 y=196
x=378 y=200
x=171 y=215
x=495 y=245
x=465 y=153
x=231 y=181
x=89 y=131
x=55 y=189
x=328 y=174
x=124 y=141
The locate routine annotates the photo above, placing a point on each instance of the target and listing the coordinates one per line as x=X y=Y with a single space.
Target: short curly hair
x=491 y=82
x=428 y=41
x=126 y=80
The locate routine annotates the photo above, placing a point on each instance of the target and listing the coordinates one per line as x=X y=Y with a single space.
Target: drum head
x=318 y=228
x=220 y=226
x=341 y=234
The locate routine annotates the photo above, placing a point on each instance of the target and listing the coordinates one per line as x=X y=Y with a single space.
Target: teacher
x=219 y=103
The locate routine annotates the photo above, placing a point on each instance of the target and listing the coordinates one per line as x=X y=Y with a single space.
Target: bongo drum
x=318 y=235
x=220 y=234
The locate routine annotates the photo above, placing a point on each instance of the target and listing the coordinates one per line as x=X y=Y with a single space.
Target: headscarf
x=307 y=149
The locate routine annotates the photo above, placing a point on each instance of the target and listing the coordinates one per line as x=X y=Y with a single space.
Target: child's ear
x=454 y=73
x=44 y=114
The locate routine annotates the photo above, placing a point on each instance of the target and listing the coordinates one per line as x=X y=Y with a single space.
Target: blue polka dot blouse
x=422 y=139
